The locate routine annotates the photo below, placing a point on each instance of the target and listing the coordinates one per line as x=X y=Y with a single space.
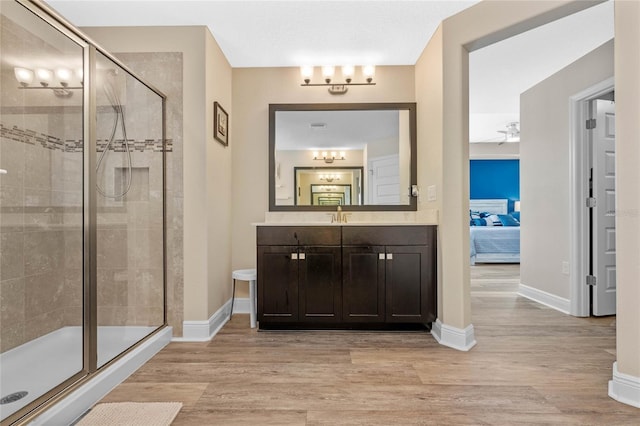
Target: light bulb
x=333 y=154
x=342 y=154
x=45 y=76
x=315 y=155
x=369 y=71
x=306 y=72
x=24 y=76
x=64 y=75
x=324 y=154
x=327 y=73
x=347 y=73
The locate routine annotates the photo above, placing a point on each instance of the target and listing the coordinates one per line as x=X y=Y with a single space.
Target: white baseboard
x=624 y=387
x=241 y=305
x=551 y=300
x=456 y=338
x=203 y=331
x=69 y=409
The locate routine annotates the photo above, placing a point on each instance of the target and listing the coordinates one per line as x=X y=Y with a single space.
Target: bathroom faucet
x=339 y=217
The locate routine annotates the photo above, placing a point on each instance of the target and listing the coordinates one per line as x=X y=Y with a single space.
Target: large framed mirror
x=359 y=156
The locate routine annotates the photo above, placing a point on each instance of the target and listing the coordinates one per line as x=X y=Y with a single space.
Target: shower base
x=39 y=365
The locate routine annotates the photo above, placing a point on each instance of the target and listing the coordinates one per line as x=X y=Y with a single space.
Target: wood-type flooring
x=531 y=365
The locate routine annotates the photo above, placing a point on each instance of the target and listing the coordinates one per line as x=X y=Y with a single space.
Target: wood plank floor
x=532 y=365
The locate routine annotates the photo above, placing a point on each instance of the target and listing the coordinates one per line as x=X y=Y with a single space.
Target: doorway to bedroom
x=593 y=242
x=545 y=67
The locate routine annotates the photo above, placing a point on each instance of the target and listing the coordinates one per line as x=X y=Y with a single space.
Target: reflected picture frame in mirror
x=302 y=137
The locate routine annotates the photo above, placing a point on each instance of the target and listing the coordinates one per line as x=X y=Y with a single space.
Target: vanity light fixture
x=329 y=157
x=45 y=77
x=330 y=177
x=348 y=71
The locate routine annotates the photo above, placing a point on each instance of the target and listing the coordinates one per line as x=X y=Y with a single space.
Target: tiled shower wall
x=40 y=196
x=165 y=71
x=40 y=230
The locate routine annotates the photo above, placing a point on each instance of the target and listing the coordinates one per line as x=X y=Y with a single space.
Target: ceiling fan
x=512 y=134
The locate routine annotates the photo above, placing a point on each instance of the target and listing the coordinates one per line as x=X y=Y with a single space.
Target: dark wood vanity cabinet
x=301 y=282
x=346 y=275
x=389 y=274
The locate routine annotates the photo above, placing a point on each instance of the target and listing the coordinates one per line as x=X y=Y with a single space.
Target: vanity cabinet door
x=363 y=284
x=277 y=284
x=320 y=284
x=410 y=295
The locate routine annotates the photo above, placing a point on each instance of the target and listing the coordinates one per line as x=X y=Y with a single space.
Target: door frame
x=579 y=106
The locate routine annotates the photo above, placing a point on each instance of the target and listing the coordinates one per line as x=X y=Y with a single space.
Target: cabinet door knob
x=294 y=256
x=380 y=256
x=302 y=256
x=389 y=256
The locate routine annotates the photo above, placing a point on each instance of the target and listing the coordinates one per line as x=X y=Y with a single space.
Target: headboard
x=498 y=206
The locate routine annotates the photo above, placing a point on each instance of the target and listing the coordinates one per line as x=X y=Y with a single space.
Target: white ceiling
x=381 y=32
x=286 y=33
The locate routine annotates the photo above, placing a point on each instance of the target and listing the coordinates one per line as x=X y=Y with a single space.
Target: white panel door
x=604 y=224
x=384 y=180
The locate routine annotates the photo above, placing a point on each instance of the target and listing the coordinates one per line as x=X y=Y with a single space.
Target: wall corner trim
x=204 y=331
x=456 y=338
x=551 y=300
x=624 y=387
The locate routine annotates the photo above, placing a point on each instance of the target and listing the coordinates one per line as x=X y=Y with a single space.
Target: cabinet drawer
x=388 y=235
x=299 y=235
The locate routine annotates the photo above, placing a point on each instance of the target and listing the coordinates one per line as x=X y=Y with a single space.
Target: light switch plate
x=431 y=193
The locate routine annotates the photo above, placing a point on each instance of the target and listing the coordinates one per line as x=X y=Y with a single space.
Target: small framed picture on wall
x=220 y=124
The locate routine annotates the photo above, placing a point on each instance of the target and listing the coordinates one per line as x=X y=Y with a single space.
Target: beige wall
x=545 y=134
x=218 y=180
x=430 y=99
x=627 y=66
x=253 y=90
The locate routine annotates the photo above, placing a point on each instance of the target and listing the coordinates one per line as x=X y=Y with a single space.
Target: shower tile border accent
x=31 y=137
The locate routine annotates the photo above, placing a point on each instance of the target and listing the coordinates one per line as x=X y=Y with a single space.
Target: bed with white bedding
x=494 y=234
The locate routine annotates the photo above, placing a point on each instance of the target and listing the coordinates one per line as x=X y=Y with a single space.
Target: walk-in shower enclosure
x=82 y=234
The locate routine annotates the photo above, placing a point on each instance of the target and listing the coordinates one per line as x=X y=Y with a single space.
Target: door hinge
x=591 y=123
x=591 y=280
x=591 y=202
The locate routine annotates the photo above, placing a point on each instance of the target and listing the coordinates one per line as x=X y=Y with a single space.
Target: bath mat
x=131 y=414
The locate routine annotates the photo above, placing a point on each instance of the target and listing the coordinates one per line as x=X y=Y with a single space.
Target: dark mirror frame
x=413 y=178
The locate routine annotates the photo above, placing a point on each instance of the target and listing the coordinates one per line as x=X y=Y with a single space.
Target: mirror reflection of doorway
x=330 y=195
x=328 y=186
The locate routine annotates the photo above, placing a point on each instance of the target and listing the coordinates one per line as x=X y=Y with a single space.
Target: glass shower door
x=41 y=208
x=130 y=231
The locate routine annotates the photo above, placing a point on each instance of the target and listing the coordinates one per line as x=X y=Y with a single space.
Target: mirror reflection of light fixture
x=329 y=157
x=329 y=177
x=328 y=188
x=24 y=76
x=45 y=76
x=348 y=71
